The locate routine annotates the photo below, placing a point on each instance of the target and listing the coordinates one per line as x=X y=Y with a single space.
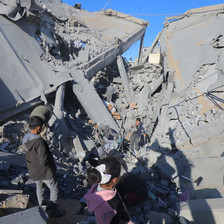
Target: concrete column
x=58 y=105
x=61 y=130
x=140 y=50
x=124 y=78
x=90 y=100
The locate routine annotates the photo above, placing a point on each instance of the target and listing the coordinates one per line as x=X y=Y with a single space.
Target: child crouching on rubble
x=103 y=198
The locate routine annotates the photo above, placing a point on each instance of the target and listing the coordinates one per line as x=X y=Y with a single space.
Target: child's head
x=107 y=173
x=93 y=176
x=138 y=121
x=35 y=124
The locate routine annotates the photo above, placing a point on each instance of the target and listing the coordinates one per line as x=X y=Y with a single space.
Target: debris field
x=66 y=56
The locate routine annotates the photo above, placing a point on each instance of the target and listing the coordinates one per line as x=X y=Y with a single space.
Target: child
x=41 y=165
x=103 y=198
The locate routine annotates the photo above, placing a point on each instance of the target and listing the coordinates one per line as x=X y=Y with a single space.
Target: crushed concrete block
x=17 y=201
x=203 y=211
x=117 y=80
x=34 y=215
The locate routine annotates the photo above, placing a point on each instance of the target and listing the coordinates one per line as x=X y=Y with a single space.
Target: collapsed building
x=52 y=52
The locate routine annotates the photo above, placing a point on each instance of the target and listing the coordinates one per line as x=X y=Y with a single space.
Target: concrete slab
x=210 y=169
x=209 y=211
x=34 y=215
x=91 y=101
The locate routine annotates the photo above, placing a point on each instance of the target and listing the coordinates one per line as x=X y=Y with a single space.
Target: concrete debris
x=178 y=96
x=13 y=9
x=34 y=215
x=17 y=201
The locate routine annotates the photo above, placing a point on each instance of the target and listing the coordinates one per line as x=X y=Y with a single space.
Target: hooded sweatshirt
x=39 y=159
x=99 y=203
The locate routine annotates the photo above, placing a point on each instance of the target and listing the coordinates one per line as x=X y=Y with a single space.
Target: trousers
x=134 y=141
x=53 y=187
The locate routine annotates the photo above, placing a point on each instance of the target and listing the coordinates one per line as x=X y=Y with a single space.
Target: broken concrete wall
x=176 y=44
x=191 y=49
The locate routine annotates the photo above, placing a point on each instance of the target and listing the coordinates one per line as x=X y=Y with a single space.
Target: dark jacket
x=39 y=159
x=140 y=130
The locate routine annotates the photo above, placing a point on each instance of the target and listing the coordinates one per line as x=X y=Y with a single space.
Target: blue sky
x=145 y=7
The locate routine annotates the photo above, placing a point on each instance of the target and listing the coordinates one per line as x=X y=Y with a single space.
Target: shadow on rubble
x=166 y=184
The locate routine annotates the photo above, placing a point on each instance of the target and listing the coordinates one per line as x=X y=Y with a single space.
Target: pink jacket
x=97 y=203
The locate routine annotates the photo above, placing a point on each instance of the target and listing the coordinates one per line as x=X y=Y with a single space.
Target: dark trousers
x=134 y=141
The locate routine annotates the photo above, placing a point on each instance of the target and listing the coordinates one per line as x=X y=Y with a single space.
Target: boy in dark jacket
x=137 y=135
x=41 y=165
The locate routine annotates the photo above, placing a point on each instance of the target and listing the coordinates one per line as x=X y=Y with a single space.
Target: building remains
x=53 y=53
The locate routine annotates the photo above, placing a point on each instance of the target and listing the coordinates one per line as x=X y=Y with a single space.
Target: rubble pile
x=70 y=61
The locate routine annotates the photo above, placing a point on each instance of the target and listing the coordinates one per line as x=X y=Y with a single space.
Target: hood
x=96 y=198
x=28 y=141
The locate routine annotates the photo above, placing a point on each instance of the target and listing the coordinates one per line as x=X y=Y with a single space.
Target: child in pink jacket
x=103 y=198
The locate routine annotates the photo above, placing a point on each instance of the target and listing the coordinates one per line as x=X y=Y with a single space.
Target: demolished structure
x=52 y=52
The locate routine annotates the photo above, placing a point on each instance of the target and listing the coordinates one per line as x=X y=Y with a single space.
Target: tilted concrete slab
x=91 y=101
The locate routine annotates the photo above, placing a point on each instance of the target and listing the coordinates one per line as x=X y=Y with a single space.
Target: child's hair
x=93 y=176
x=35 y=122
x=138 y=119
x=112 y=167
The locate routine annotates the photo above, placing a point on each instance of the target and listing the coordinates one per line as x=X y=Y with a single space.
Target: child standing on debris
x=103 y=198
x=137 y=135
x=41 y=165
